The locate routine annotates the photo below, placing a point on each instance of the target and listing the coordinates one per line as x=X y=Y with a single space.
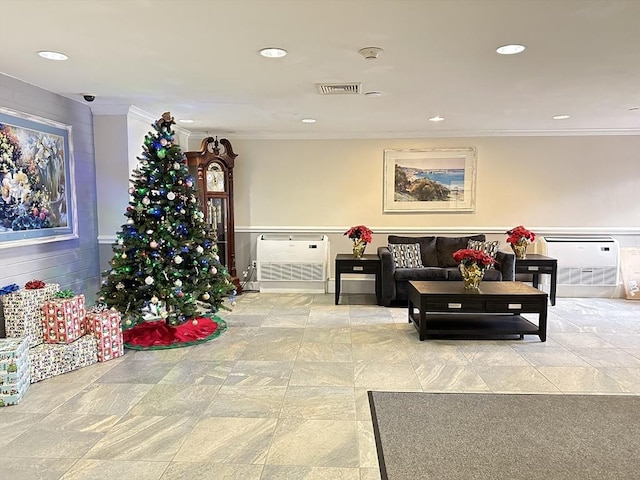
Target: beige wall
x=577 y=184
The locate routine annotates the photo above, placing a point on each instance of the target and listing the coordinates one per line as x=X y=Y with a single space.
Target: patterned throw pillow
x=490 y=248
x=406 y=255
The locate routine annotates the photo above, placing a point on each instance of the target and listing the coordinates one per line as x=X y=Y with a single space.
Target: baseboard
x=348 y=285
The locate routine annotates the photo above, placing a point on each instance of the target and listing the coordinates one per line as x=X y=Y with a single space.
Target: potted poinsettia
x=472 y=265
x=361 y=236
x=519 y=238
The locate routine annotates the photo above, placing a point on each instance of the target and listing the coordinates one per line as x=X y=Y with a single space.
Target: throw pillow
x=490 y=248
x=406 y=255
x=427 y=248
x=447 y=245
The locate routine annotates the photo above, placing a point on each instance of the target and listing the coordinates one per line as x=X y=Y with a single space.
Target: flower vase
x=472 y=275
x=520 y=248
x=358 y=248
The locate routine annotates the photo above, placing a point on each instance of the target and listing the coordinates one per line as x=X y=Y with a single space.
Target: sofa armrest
x=387 y=280
x=506 y=263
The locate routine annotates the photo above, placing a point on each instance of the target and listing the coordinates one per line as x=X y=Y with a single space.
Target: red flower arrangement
x=469 y=257
x=359 y=232
x=519 y=233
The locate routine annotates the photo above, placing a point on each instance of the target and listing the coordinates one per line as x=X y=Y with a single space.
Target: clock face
x=215 y=178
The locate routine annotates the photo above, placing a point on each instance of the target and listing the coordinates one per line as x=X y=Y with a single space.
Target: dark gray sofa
x=436 y=254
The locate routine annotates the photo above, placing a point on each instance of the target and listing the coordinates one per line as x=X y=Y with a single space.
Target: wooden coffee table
x=447 y=309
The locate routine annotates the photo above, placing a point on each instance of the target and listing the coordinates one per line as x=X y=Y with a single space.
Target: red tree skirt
x=158 y=335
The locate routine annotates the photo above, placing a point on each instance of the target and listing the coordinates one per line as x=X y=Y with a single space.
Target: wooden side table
x=369 y=264
x=535 y=264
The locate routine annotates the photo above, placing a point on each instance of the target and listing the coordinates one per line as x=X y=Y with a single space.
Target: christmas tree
x=165 y=261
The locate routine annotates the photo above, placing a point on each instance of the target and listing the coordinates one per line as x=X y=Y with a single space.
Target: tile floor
x=282 y=394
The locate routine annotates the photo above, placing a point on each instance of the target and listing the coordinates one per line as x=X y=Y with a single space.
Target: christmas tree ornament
x=177 y=259
x=149 y=280
x=171 y=196
x=153 y=244
x=199 y=249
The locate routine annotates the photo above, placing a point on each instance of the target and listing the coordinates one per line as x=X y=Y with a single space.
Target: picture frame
x=37 y=182
x=430 y=180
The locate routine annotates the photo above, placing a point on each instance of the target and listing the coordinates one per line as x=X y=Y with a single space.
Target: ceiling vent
x=338 y=88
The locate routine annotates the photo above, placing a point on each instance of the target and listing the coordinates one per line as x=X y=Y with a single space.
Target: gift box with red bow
x=22 y=310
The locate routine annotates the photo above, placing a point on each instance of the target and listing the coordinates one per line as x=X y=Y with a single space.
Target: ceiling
x=199 y=60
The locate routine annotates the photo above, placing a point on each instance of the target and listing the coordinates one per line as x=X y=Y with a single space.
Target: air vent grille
x=304 y=272
x=338 y=88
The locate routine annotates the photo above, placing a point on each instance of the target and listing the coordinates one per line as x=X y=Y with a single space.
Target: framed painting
x=38 y=202
x=430 y=180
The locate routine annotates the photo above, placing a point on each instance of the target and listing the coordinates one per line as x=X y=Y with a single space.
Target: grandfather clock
x=212 y=167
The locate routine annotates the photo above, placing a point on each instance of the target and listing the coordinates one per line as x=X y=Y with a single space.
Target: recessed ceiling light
x=52 y=55
x=437 y=118
x=273 y=52
x=185 y=120
x=308 y=120
x=510 y=49
x=373 y=94
x=561 y=117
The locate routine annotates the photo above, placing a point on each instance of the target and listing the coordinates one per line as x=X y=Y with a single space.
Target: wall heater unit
x=292 y=263
x=585 y=260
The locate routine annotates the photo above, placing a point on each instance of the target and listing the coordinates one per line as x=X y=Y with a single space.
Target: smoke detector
x=370 y=53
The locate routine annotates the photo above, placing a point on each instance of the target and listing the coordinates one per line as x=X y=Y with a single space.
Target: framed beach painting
x=37 y=202
x=430 y=180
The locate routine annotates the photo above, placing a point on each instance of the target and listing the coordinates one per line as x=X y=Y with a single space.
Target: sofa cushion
x=418 y=274
x=406 y=255
x=445 y=246
x=427 y=247
x=490 y=248
x=490 y=275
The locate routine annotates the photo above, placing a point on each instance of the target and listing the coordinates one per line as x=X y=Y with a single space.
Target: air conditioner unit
x=292 y=263
x=584 y=260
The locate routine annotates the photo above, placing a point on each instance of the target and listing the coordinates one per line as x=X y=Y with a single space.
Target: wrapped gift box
x=11 y=395
x=106 y=326
x=63 y=320
x=50 y=359
x=14 y=370
x=23 y=312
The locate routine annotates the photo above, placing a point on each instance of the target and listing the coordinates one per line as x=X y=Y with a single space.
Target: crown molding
x=421 y=134
x=131 y=111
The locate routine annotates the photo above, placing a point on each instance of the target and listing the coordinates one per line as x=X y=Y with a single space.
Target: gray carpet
x=470 y=436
